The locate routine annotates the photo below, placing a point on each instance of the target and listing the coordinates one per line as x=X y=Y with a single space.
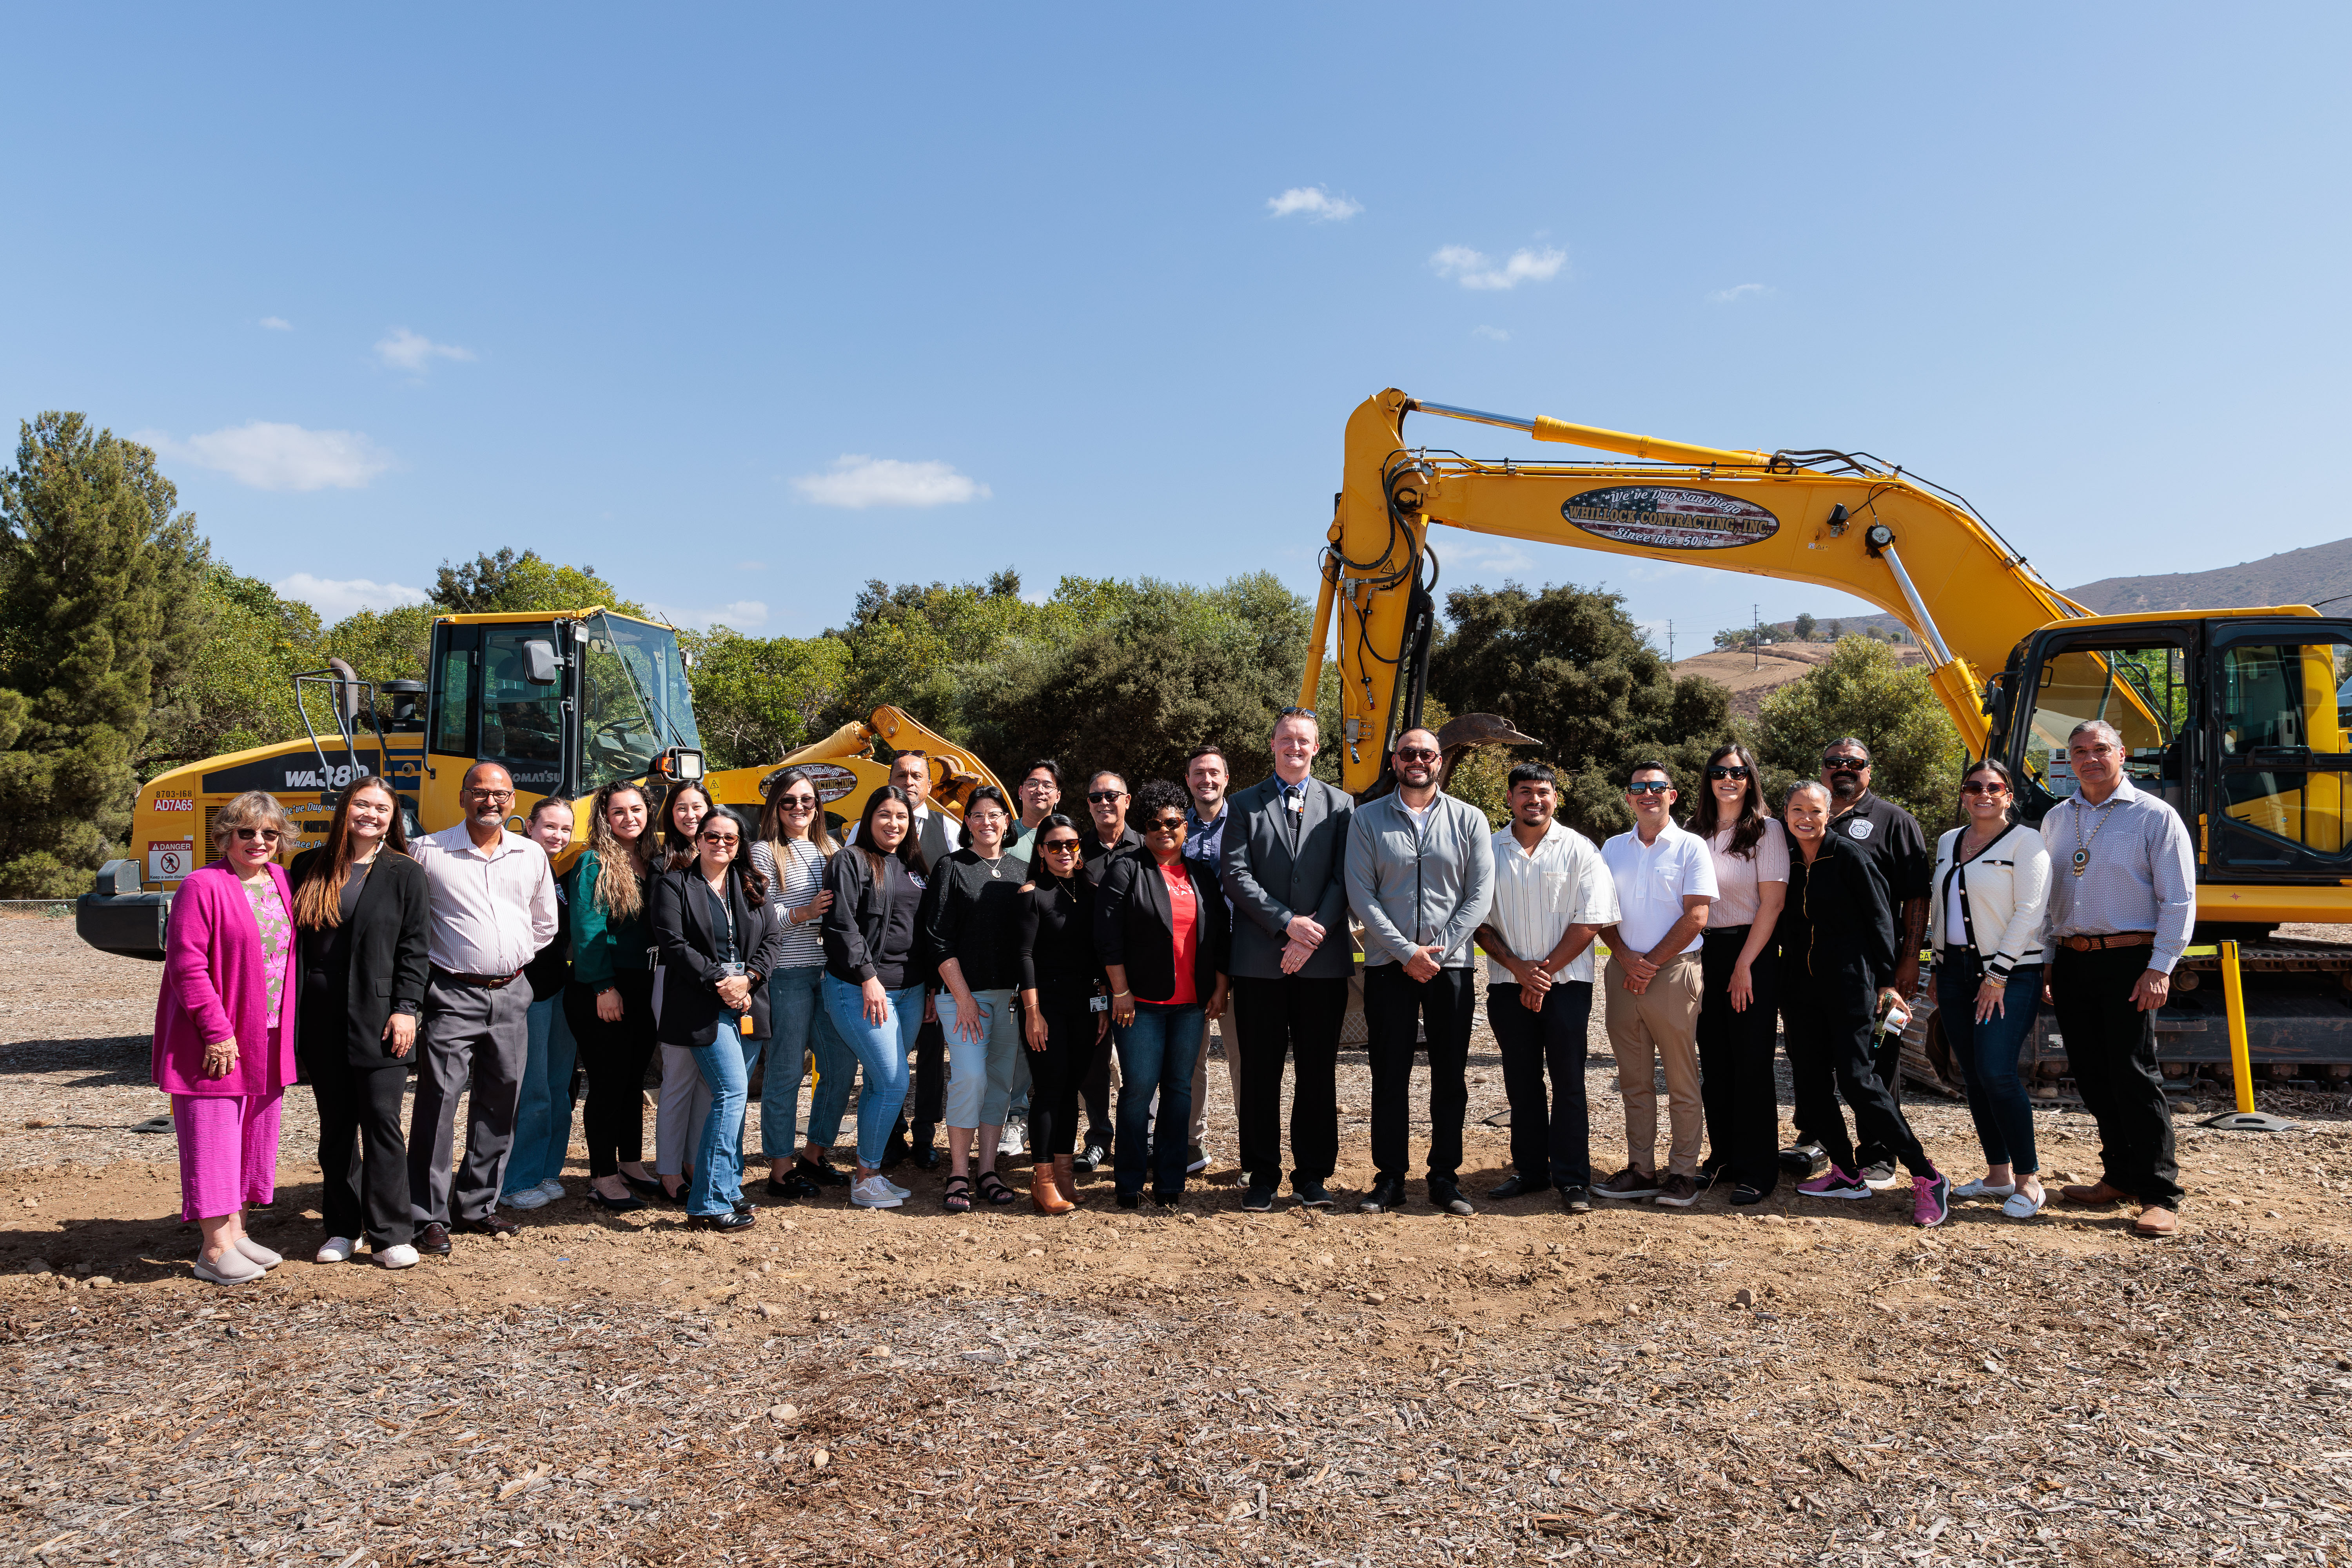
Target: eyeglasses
x=1062 y=846
x=1723 y=773
x=266 y=835
x=1649 y=787
x=798 y=802
x=1167 y=824
x=1415 y=754
x=1978 y=786
x=1105 y=796
x=990 y=815
x=491 y=794
x=1849 y=764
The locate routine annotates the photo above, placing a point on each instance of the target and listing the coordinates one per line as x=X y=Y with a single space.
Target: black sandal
x=957 y=1194
x=992 y=1188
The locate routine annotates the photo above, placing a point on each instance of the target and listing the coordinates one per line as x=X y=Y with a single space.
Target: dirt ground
x=1814 y=1382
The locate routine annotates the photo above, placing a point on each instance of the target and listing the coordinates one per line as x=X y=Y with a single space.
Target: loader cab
x=565 y=702
x=2237 y=719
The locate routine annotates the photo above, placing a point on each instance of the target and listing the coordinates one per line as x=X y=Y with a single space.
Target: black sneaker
x=817 y=1175
x=1518 y=1186
x=895 y=1151
x=1310 y=1194
x=1091 y=1158
x=1259 y=1199
x=1575 y=1200
x=1445 y=1195
x=1130 y=1200
x=1805 y=1155
x=1386 y=1196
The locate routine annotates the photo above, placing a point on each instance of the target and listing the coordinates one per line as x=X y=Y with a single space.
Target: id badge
x=1098 y=1003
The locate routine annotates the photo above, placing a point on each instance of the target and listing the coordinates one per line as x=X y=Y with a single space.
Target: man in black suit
x=1286 y=851
x=1106 y=798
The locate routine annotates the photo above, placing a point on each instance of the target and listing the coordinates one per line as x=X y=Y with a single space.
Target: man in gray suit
x=1285 y=862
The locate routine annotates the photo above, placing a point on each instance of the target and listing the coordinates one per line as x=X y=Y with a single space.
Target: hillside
x=1750 y=675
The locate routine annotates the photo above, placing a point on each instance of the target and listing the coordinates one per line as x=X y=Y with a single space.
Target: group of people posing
x=1049 y=957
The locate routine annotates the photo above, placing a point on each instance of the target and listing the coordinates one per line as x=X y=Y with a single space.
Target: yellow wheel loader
x=567 y=702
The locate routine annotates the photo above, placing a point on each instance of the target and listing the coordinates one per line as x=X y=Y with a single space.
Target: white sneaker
x=2024 y=1205
x=1016 y=1136
x=529 y=1198
x=339 y=1250
x=401 y=1257
x=1980 y=1188
x=255 y=1252
x=874 y=1192
x=552 y=1187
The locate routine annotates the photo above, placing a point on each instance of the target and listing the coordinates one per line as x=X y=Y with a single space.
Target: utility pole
x=1756 y=637
x=1670 y=642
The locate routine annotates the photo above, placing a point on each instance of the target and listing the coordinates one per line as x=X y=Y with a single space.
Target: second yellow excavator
x=2232 y=715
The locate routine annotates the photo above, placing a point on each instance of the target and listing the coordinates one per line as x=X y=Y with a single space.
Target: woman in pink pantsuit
x=224 y=1031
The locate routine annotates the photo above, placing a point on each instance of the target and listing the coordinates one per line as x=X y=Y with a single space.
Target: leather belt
x=483 y=982
x=2096 y=943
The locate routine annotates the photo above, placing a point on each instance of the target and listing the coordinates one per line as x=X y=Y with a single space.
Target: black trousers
x=1096 y=1089
x=1551 y=1127
x=1829 y=1018
x=1886 y=1060
x=927 y=1091
x=1300 y=1018
x=2111 y=1052
x=362 y=1152
x=614 y=1056
x=1735 y=1061
x=1396 y=1008
x=1055 y=1073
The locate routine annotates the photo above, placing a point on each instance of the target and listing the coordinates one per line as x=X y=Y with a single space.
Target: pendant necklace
x=993 y=865
x=2082 y=847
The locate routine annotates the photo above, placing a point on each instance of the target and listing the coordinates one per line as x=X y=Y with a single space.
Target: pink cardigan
x=215 y=983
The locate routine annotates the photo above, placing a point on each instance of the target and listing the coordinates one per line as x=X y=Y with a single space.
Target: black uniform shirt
x=1890 y=840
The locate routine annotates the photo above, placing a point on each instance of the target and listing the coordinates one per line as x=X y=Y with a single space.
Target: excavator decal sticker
x=831 y=782
x=1663 y=518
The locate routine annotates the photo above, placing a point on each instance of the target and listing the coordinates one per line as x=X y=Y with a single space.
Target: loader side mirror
x=538 y=662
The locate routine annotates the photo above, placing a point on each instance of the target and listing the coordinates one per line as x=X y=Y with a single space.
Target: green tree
x=1568 y=667
x=96 y=567
x=756 y=698
x=1803 y=627
x=1864 y=690
x=238 y=691
x=517 y=584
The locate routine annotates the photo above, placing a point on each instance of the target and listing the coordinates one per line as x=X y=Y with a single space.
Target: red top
x=1184 y=920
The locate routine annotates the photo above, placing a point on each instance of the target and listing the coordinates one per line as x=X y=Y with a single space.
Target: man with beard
x=1421 y=875
x=1896 y=851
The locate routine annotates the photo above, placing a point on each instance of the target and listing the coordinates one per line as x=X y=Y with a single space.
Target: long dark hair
x=988 y=791
x=2009 y=781
x=1076 y=885
x=772 y=814
x=679 y=847
x=620 y=891
x=754 y=885
x=1748 y=827
x=319 y=902
x=910 y=852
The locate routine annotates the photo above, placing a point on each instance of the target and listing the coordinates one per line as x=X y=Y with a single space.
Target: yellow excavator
x=2234 y=716
x=566 y=701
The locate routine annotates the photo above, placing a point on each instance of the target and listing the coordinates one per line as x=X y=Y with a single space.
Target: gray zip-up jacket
x=1420 y=887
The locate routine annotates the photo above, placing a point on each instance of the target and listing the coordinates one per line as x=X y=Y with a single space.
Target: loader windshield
x=633 y=699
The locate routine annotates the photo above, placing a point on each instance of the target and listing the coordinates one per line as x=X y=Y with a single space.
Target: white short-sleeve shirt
x=1653 y=880
x=1538 y=896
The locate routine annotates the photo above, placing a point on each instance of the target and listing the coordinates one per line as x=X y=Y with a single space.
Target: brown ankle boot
x=1066 y=1177
x=1044 y=1192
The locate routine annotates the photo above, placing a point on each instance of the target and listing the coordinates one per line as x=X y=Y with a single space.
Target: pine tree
x=97 y=573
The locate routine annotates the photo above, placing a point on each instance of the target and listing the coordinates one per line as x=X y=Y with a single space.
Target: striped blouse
x=803 y=880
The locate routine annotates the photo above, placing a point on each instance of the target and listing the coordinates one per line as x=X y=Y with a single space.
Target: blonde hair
x=254 y=808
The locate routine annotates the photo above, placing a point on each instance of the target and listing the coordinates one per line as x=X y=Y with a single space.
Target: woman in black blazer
x=362 y=910
x=1837 y=974
x=1162 y=931
x=716 y=940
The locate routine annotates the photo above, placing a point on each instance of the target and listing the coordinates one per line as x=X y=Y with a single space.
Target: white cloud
x=276 y=324
x=1317 y=203
x=1492 y=334
x=1474 y=269
x=857 y=481
x=280 y=456
x=334 y=598
x=742 y=616
x=404 y=350
x=1736 y=293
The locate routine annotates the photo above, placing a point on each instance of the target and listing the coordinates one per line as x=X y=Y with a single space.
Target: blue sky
x=660 y=296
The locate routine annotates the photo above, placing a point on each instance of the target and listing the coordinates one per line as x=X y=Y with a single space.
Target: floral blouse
x=276 y=937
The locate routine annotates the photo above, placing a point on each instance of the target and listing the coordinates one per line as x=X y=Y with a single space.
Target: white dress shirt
x=2140 y=871
x=1653 y=880
x=492 y=909
x=1538 y=895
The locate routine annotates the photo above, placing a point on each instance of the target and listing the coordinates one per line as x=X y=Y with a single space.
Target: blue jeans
x=799 y=1028
x=542 y=1133
x=881 y=1051
x=980 y=1072
x=718 y=1152
x=1988 y=1053
x=1157 y=1053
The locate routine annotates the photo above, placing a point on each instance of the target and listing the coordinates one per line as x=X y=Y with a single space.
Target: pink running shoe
x=1835 y=1184
x=1931 y=1199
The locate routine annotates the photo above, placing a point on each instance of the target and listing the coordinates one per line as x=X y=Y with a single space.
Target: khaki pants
x=1225 y=1031
x=1661 y=1024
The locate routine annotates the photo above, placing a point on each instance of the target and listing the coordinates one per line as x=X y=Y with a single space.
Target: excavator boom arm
x=1881 y=537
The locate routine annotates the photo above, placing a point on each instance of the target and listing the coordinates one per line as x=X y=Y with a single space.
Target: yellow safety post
x=2245 y=1119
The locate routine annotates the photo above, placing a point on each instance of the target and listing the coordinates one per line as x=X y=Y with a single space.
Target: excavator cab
x=2238 y=719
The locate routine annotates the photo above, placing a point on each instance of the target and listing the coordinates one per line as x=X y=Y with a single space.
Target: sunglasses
x=720 y=838
x=1848 y=765
x=1105 y=796
x=1723 y=773
x=798 y=802
x=1168 y=825
x=1649 y=787
x=1062 y=846
x=1416 y=754
x=266 y=835
x=1976 y=786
